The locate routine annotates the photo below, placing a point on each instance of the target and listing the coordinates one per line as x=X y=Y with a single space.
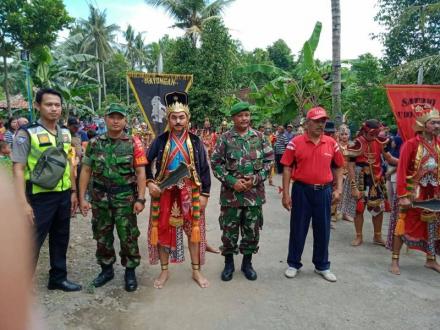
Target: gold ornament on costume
x=424 y=113
x=177 y=102
x=176 y=218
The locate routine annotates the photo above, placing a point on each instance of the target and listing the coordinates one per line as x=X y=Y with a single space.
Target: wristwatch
x=141 y=200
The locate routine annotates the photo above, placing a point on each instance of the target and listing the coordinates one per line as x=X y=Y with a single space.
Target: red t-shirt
x=312 y=162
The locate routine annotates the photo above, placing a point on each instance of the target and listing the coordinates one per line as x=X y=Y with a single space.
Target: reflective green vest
x=41 y=139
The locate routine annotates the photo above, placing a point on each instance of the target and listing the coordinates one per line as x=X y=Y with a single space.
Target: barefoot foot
x=394 y=268
x=378 y=240
x=432 y=264
x=347 y=218
x=212 y=249
x=200 y=279
x=357 y=241
x=161 y=280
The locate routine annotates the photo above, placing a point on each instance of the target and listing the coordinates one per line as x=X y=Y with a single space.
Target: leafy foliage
x=364 y=95
x=29 y=25
x=281 y=55
x=412 y=29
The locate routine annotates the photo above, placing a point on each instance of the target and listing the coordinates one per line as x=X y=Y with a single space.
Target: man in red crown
x=367 y=178
x=418 y=180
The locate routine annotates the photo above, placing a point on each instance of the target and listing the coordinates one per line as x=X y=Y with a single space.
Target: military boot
x=247 y=269
x=130 y=280
x=229 y=268
x=104 y=276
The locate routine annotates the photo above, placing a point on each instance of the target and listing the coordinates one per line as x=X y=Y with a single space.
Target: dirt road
x=366 y=295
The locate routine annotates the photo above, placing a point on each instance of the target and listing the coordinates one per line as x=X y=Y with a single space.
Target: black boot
x=247 y=269
x=229 y=268
x=104 y=276
x=130 y=280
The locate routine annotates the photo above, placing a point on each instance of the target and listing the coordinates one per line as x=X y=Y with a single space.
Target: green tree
x=364 y=95
x=213 y=77
x=281 y=55
x=411 y=29
x=212 y=65
x=98 y=39
x=130 y=52
x=29 y=25
x=116 y=73
x=181 y=57
x=136 y=53
x=190 y=15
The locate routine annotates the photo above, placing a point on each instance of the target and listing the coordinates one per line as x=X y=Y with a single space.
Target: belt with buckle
x=315 y=186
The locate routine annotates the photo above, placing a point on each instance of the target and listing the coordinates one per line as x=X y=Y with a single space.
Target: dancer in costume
x=418 y=180
x=367 y=179
x=209 y=137
x=347 y=206
x=180 y=207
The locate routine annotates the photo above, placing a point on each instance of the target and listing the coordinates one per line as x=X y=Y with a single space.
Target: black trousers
x=308 y=205
x=280 y=167
x=52 y=217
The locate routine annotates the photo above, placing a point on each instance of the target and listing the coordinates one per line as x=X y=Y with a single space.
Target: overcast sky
x=258 y=23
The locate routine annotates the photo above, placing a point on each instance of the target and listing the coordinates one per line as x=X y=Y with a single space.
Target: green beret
x=116 y=108
x=239 y=107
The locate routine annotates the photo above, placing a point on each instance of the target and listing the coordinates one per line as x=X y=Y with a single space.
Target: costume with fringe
x=418 y=179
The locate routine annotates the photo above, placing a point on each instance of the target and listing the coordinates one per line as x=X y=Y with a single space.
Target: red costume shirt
x=312 y=162
x=421 y=165
x=371 y=152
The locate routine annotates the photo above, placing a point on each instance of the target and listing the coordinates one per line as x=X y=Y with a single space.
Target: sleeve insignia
x=21 y=139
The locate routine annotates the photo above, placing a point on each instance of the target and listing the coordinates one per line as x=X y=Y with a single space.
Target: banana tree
x=289 y=95
x=65 y=75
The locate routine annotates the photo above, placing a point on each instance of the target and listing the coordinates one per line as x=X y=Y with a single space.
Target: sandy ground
x=366 y=295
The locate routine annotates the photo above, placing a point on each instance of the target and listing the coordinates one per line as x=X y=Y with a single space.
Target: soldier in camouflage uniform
x=241 y=160
x=115 y=162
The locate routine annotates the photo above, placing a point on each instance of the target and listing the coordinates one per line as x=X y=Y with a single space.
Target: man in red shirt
x=308 y=161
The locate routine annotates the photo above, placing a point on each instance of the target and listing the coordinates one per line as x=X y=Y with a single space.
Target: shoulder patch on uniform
x=21 y=139
x=66 y=138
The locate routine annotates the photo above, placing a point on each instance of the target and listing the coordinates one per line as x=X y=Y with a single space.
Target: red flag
x=407 y=100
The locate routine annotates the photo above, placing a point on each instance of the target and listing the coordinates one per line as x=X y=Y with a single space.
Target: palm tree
x=129 y=36
x=98 y=41
x=140 y=51
x=336 y=62
x=191 y=14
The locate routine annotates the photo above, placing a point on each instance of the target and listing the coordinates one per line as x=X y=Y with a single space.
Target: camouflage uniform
x=236 y=157
x=113 y=197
